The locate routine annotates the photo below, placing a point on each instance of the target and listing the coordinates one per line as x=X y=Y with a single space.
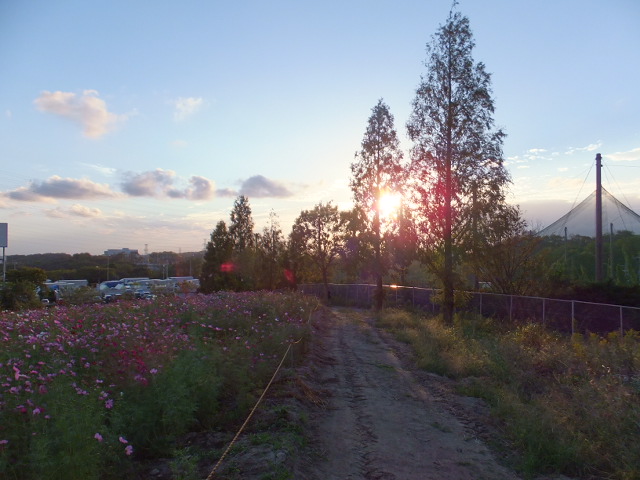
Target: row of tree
x=454 y=186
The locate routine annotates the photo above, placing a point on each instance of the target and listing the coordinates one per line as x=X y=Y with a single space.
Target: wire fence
x=570 y=316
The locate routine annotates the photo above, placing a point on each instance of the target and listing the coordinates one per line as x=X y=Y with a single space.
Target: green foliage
x=569 y=405
x=19 y=295
x=319 y=234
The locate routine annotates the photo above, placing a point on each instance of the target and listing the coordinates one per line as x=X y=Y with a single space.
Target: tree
x=244 y=242
x=356 y=254
x=509 y=256
x=241 y=227
x=217 y=268
x=320 y=233
x=271 y=247
x=403 y=243
x=377 y=171
x=20 y=290
x=456 y=169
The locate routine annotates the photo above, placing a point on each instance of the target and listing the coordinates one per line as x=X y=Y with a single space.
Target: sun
x=389 y=204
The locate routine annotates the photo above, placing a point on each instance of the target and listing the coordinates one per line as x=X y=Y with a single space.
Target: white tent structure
x=581 y=220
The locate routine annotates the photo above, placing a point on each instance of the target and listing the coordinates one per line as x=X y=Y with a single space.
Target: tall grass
x=85 y=391
x=569 y=405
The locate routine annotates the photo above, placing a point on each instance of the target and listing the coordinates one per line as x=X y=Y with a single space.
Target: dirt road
x=381 y=419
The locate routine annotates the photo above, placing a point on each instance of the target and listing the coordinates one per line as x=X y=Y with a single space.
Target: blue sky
x=133 y=123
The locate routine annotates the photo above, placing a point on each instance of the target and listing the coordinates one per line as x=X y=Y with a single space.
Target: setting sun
x=389 y=204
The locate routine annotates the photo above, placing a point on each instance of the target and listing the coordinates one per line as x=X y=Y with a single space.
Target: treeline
x=99 y=268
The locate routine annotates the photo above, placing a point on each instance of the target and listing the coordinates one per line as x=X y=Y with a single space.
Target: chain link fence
x=570 y=316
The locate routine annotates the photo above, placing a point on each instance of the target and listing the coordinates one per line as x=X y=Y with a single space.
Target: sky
x=137 y=124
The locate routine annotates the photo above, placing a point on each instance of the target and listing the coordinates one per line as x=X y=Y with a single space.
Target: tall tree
x=403 y=242
x=244 y=242
x=241 y=227
x=321 y=233
x=217 y=268
x=271 y=247
x=356 y=256
x=376 y=172
x=456 y=167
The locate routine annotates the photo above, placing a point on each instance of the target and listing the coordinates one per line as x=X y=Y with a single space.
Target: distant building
x=117 y=251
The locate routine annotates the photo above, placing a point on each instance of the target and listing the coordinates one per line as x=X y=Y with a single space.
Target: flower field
x=86 y=390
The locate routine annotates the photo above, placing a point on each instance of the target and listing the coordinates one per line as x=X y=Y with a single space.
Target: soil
x=385 y=420
x=359 y=409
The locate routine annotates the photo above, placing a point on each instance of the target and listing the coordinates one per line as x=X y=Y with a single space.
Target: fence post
x=413 y=297
x=621 y=323
x=544 y=318
x=573 y=316
x=510 y=308
x=480 y=303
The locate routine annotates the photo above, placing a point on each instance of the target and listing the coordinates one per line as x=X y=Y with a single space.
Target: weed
x=569 y=405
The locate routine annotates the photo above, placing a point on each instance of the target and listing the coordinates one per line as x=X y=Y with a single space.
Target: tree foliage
x=457 y=171
x=376 y=171
x=270 y=251
x=217 y=268
x=321 y=235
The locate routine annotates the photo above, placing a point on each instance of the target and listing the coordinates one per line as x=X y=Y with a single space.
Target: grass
x=89 y=392
x=568 y=405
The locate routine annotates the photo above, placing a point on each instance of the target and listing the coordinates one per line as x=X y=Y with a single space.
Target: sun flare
x=389 y=204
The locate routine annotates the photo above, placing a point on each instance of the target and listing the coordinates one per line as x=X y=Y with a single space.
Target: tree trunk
x=325 y=282
x=379 y=293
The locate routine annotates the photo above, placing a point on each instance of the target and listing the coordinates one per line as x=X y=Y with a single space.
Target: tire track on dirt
x=379 y=422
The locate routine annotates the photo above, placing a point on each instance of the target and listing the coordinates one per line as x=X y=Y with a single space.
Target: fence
x=571 y=316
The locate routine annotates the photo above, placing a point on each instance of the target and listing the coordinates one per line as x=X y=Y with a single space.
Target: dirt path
x=381 y=419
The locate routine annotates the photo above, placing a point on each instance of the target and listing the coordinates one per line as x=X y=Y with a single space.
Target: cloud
x=82 y=211
x=75 y=210
x=259 y=186
x=87 y=110
x=57 y=187
x=107 y=171
x=201 y=188
x=149 y=184
x=186 y=107
x=161 y=183
x=589 y=148
x=226 y=192
x=630 y=156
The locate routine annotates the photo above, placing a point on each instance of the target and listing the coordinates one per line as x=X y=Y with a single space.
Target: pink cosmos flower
x=123 y=440
x=98 y=437
x=109 y=404
x=128 y=450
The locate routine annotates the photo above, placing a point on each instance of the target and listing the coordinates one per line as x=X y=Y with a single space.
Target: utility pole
x=598 y=218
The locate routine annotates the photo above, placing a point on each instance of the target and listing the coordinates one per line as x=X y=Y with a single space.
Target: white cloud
x=87 y=110
x=75 y=210
x=106 y=171
x=82 y=211
x=186 y=107
x=589 y=148
x=630 y=156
